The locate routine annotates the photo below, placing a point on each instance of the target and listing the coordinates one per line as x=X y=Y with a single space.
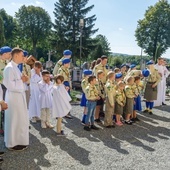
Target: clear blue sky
x=116 y=19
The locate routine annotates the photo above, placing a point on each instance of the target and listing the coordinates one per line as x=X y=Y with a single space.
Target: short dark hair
x=58 y=77
x=16 y=50
x=44 y=72
x=38 y=64
x=91 y=78
x=103 y=57
x=137 y=78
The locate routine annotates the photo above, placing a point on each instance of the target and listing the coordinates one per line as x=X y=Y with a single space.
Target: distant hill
x=120 y=54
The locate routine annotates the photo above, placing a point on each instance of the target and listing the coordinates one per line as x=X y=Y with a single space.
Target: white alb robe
x=45 y=94
x=1 y=96
x=160 y=86
x=34 y=103
x=166 y=74
x=61 y=102
x=16 y=116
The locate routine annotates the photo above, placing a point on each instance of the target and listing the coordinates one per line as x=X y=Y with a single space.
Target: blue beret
x=67 y=52
x=149 y=63
x=5 y=49
x=123 y=65
x=87 y=72
x=66 y=61
x=25 y=53
x=145 y=73
x=118 y=75
x=132 y=66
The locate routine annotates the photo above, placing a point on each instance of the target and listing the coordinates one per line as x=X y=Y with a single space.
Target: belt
x=92 y=100
x=151 y=82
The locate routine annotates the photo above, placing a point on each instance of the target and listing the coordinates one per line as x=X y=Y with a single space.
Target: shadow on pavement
x=30 y=159
x=69 y=146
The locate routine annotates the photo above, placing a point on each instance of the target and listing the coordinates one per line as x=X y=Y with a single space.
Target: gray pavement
x=142 y=146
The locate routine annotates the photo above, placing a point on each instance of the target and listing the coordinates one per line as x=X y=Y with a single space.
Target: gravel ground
x=142 y=146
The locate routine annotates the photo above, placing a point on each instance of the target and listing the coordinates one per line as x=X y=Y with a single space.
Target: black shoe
x=97 y=120
x=136 y=119
x=61 y=133
x=112 y=126
x=150 y=112
x=108 y=126
x=163 y=103
x=145 y=111
x=18 y=148
x=87 y=128
x=1 y=153
x=94 y=127
x=128 y=122
x=1 y=160
x=133 y=120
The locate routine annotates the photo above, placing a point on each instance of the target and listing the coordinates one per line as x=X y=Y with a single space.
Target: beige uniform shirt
x=154 y=77
x=84 y=84
x=129 y=91
x=65 y=73
x=110 y=92
x=57 y=66
x=91 y=92
x=103 y=68
x=3 y=63
x=101 y=88
x=120 y=97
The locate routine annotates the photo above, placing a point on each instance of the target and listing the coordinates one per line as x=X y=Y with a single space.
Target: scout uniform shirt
x=154 y=77
x=129 y=91
x=101 y=89
x=3 y=63
x=27 y=71
x=110 y=92
x=103 y=68
x=120 y=97
x=84 y=84
x=65 y=73
x=57 y=66
x=91 y=92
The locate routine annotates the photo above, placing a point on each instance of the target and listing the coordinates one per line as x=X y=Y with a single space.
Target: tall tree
x=67 y=30
x=2 y=36
x=154 y=29
x=9 y=27
x=34 y=24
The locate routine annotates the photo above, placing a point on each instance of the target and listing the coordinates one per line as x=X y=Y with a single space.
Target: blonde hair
x=110 y=74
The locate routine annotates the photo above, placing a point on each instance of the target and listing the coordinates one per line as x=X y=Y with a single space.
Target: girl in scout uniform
x=130 y=95
x=150 y=93
x=110 y=99
x=120 y=100
x=92 y=96
x=84 y=84
x=101 y=91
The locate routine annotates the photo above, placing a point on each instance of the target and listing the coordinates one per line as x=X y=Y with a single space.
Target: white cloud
x=120 y=29
x=39 y=3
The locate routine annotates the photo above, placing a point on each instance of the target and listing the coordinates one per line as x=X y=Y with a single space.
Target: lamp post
x=81 y=25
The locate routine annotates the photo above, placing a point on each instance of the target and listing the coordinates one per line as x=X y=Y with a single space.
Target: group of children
x=120 y=96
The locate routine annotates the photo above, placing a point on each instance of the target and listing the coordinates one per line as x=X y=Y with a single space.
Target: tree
x=67 y=30
x=2 y=36
x=9 y=27
x=34 y=24
x=154 y=29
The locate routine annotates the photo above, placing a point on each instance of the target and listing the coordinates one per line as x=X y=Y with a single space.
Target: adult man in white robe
x=16 y=116
x=160 y=86
x=166 y=74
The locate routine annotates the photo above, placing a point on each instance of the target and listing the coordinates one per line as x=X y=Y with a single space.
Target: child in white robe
x=61 y=103
x=45 y=87
x=34 y=104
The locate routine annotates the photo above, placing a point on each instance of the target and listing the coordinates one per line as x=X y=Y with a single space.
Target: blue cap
x=67 y=52
x=25 y=53
x=66 y=61
x=123 y=65
x=132 y=66
x=149 y=63
x=118 y=75
x=87 y=72
x=5 y=49
x=145 y=73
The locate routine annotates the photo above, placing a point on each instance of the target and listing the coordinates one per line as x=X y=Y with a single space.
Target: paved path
x=142 y=146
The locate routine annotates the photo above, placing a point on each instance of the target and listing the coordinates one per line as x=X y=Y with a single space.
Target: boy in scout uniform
x=101 y=90
x=102 y=66
x=92 y=96
x=110 y=100
x=130 y=95
x=120 y=99
x=66 y=54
